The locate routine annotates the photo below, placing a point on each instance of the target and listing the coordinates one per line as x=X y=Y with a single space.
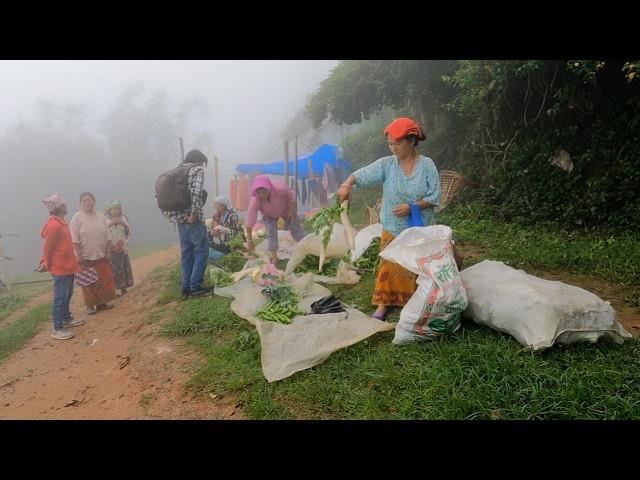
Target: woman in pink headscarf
x=273 y=200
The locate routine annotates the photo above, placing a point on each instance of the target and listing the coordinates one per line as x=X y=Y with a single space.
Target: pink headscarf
x=52 y=202
x=261 y=181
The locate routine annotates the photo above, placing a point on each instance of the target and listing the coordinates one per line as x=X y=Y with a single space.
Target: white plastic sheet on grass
x=286 y=244
x=308 y=340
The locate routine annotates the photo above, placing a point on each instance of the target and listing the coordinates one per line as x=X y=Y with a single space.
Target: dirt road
x=114 y=368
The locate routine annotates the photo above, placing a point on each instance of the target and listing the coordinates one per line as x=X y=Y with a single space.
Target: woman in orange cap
x=408 y=180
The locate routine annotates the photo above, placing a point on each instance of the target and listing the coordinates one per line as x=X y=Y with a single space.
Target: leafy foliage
x=502 y=123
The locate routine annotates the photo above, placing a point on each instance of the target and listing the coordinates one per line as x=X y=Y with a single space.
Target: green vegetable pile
x=236 y=242
x=220 y=278
x=277 y=312
x=281 y=292
x=284 y=303
x=368 y=262
x=310 y=264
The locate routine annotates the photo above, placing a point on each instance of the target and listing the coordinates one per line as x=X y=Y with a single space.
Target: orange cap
x=401 y=127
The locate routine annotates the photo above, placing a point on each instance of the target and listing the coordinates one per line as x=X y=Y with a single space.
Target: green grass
x=17 y=333
x=475 y=374
x=10 y=302
x=20 y=296
x=613 y=258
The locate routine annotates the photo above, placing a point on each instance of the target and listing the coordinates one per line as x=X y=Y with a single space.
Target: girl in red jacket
x=59 y=259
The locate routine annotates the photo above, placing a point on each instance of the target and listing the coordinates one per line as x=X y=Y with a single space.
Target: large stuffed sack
x=434 y=309
x=537 y=312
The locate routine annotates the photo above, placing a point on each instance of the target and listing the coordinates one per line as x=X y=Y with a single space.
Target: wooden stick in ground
x=3 y=266
x=295 y=168
x=215 y=170
x=286 y=162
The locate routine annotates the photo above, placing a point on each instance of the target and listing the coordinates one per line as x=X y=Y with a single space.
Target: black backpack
x=172 y=189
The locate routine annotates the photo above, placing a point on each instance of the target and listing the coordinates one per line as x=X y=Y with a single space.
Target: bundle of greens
x=310 y=265
x=236 y=242
x=232 y=262
x=281 y=292
x=220 y=278
x=322 y=225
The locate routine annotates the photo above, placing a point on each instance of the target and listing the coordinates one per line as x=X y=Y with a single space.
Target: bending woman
x=273 y=200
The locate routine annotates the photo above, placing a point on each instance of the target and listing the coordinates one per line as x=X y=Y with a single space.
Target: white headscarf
x=222 y=201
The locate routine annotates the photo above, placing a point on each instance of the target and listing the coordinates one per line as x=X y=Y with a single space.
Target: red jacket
x=58 y=255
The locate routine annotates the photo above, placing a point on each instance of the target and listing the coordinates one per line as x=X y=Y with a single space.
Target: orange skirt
x=394 y=285
x=104 y=290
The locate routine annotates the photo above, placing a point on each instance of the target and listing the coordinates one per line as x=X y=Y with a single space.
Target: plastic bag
x=415 y=217
x=364 y=238
x=434 y=309
x=537 y=312
x=86 y=277
x=269 y=269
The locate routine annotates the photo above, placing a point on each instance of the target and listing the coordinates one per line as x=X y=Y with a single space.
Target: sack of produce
x=434 y=309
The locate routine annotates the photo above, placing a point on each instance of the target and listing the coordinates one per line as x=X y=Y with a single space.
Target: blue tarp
x=324 y=154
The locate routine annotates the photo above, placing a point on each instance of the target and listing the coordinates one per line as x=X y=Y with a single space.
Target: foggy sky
x=250 y=103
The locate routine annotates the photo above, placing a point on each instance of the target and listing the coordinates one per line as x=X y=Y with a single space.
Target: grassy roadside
x=475 y=374
x=612 y=257
x=20 y=296
x=17 y=333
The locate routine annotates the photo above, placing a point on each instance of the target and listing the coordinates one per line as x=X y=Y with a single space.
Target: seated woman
x=223 y=227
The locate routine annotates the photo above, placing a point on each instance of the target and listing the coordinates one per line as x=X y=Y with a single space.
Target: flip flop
x=379 y=316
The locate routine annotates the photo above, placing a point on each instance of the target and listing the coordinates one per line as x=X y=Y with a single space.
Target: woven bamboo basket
x=372 y=214
x=450 y=184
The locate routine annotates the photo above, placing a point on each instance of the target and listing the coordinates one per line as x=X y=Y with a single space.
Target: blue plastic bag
x=415 y=218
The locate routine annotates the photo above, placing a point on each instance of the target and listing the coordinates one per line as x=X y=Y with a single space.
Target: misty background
x=111 y=127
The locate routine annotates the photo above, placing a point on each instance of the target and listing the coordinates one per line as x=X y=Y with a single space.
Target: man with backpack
x=181 y=197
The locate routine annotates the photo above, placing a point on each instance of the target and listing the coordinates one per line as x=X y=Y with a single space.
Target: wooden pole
x=286 y=162
x=5 y=272
x=295 y=167
x=234 y=200
x=182 y=148
x=215 y=168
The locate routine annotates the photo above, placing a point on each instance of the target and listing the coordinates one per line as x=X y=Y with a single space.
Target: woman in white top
x=93 y=244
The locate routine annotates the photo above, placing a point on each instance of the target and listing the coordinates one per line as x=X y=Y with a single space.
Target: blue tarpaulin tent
x=324 y=154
